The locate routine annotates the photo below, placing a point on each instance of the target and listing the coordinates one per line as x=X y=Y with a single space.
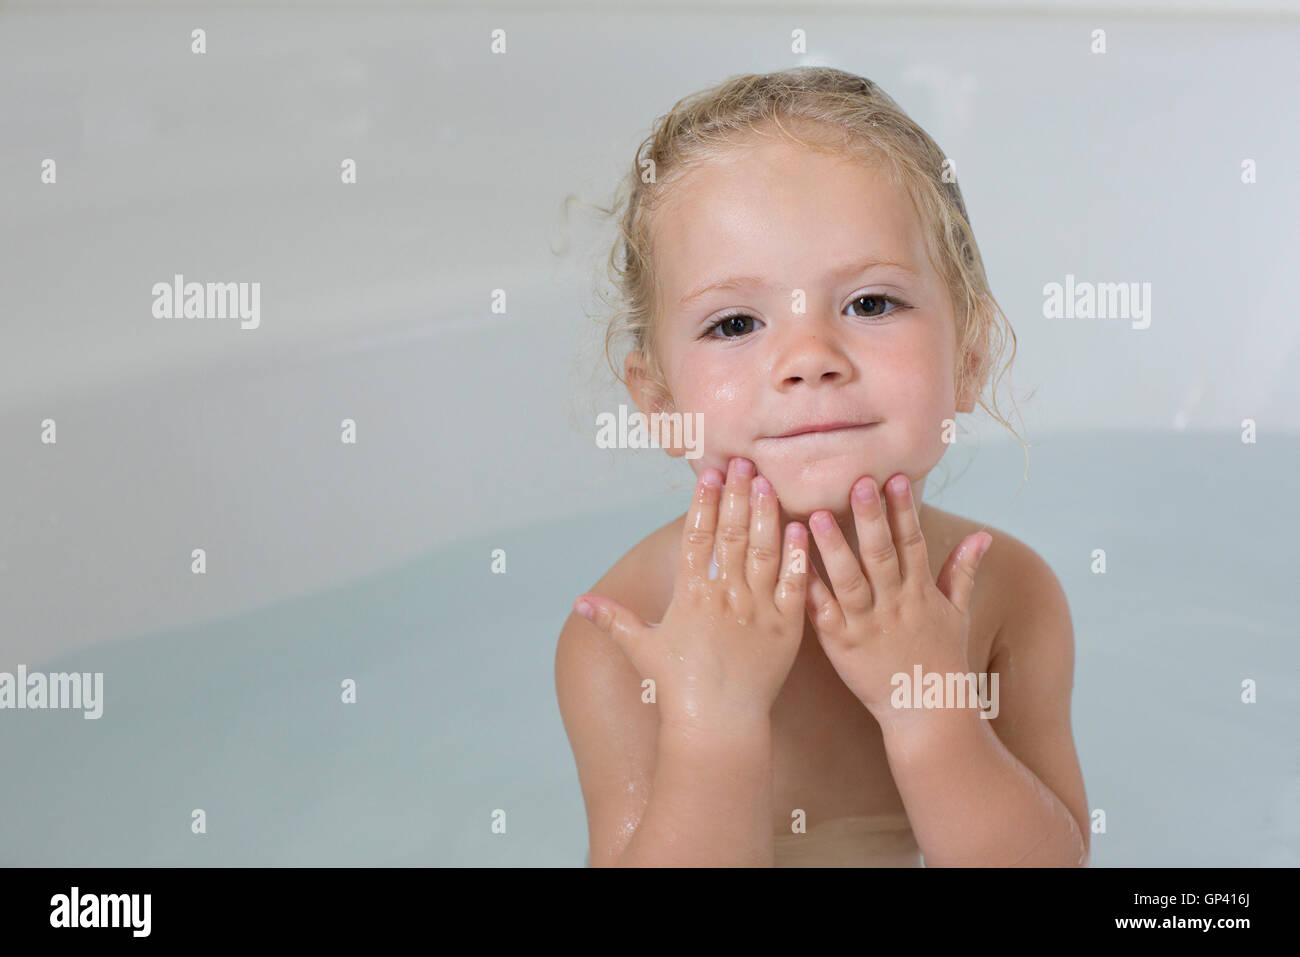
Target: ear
x=650 y=397
x=975 y=367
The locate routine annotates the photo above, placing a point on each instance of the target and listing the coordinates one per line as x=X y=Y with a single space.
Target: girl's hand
x=725 y=646
x=886 y=615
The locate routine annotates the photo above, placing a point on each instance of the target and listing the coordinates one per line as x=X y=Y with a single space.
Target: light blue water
x=456 y=713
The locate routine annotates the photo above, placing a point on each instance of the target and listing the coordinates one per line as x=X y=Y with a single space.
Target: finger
x=763 y=562
x=913 y=560
x=698 y=529
x=791 y=589
x=732 y=538
x=822 y=607
x=845 y=573
x=875 y=538
x=614 y=620
x=957 y=579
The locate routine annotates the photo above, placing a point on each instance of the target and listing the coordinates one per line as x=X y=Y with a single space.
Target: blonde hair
x=853 y=116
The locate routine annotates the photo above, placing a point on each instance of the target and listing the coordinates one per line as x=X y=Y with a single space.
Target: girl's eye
x=876 y=299
x=734 y=324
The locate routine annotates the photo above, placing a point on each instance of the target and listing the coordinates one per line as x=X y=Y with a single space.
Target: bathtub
x=455 y=718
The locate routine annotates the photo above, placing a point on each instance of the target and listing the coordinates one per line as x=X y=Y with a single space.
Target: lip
x=824 y=427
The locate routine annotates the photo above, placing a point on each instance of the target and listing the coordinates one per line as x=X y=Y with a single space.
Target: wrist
x=719 y=732
x=913 y=730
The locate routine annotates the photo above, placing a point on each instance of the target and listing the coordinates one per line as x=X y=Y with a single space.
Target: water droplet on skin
x=726 y=392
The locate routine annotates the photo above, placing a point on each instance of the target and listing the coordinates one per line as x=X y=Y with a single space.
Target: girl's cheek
x=724 y=393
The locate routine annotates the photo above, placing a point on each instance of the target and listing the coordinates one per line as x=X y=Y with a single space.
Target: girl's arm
x=657 y=795
x=718 y=659
x=1006 y=791
x=711 y=804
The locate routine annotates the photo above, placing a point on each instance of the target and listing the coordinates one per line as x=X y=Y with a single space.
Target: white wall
x=224 y=167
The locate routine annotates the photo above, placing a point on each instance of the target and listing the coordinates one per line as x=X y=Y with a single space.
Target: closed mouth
x=824 y=431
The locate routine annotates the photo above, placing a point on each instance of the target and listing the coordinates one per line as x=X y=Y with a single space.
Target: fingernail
x=586 y=611
x=983 y=548
x=762 y=485
x=712 y=477
x=743 y=467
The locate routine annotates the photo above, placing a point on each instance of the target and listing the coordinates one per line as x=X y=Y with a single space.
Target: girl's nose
x=810 y=353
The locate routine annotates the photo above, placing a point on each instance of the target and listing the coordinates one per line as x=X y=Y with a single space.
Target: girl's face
x=795 y=291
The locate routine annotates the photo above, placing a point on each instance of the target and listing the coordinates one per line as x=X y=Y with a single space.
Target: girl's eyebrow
x=843 y=270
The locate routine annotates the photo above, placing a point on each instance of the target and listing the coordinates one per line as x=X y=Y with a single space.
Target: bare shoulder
x=1014 y=583
x=641 y=580
x=612 y=733
x=1031 y=602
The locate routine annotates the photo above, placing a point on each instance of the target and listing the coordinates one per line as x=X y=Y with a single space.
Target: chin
x=815 y=485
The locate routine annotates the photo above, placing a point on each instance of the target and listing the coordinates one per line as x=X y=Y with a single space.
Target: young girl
x=755 y=682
